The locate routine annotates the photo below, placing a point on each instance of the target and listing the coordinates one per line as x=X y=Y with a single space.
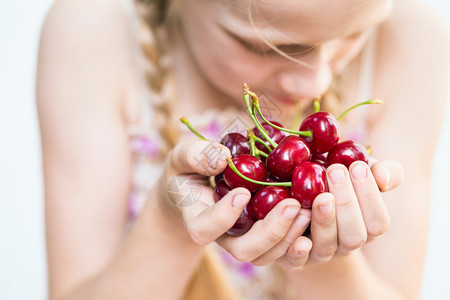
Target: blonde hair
x=210 y=279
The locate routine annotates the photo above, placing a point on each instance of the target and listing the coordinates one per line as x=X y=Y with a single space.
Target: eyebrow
x=253 y=45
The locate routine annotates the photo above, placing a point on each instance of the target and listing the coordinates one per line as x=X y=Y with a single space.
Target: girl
x=114 y=76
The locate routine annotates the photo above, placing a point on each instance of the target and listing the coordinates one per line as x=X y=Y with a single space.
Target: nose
x=307 y=80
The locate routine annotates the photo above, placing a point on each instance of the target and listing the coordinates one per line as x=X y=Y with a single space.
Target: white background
x=22 y=250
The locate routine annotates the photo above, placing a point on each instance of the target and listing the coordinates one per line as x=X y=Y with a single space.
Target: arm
x=83 y=61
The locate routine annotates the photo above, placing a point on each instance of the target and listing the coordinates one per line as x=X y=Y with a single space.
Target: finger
x=296 y=230
x=297 y=255
x=202 y=157
x=372 y=206
x=264 y=234
x=388 y=174
x=206 y=224
x=323 y=228
x=352 y=233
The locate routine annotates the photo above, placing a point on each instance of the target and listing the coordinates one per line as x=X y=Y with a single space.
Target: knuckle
x=345 y=201
x=326 y=251
x=196 y=237
x=378 y=228
x=272 y=235
x=295 y=265
x=260 y=262
x=320 y=259
x=240 y=255
x=354 y=242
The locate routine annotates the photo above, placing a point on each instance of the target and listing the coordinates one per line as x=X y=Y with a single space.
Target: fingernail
x=239 y=200
x=302 y=220
x=337 y=176
x=325 y=209
x=290 y=212
x=388 y=176
x=302 y=248
x=359 y=172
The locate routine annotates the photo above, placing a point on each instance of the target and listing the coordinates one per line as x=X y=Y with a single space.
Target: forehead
x=310 y=20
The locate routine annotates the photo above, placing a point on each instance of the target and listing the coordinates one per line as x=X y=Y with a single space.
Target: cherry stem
x=188 y=125
x=369 y=150
x=255 y=102
x=261 y=153
x=371 y=101
x=253 y=150
x=317 y=104
x=251 y=136
x=255 y=120
x=233 y=167
x=257 y=139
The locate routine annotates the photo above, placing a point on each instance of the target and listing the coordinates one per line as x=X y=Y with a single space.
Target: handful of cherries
x=275 y=163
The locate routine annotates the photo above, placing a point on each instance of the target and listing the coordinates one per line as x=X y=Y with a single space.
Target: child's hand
x=187 y=171
x=349 y=216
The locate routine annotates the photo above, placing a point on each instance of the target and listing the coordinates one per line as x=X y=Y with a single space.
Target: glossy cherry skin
x=290 y=152
x=243 y=223
x=321 y=159
x=275 y=134
x=221 y=190
x=249 y=166
x=346 y=153
x=246 y=218
x=325 y=131
x=218 y=177
x=237 y=143
x=266 y=198
x=308 y=181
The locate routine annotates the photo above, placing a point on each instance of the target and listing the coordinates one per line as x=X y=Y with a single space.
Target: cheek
x=345 y=53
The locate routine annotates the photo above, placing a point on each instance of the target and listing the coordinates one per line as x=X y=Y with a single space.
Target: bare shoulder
x=82 y=34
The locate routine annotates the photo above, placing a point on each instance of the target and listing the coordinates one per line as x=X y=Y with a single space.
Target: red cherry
x=218 y=177
x=221 y=190
x=237 y=143
x=325 y=131
x=320 y=158
x=249 y=166
x=266 y=198
x=308 y=180
x=274 y=133
x=243 y=223
x=290 y=152
x=346 y=153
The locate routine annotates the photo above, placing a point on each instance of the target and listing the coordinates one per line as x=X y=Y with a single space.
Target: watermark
x=184 y=191
x=268 y=107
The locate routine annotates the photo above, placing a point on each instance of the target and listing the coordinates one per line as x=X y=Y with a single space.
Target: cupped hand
x=188 y=194
x=349 y=216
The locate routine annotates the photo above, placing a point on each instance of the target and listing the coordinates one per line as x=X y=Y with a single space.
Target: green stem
x=261 y=153
x=317 y=104
x=188 y=125
x=257 y=139
x=233 y=167
x=255 y=120
x=371 y=101
x=306 y=133
x=251 y=142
